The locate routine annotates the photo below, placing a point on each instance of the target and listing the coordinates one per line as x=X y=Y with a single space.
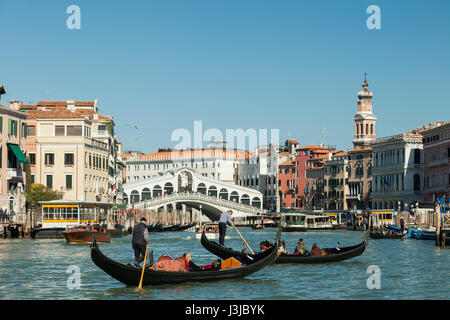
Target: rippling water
x=410 y=269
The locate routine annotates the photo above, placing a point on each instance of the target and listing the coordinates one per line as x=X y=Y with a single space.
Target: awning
x=18 y=153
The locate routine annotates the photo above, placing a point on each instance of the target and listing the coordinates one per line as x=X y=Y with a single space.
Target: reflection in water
x=37 y=269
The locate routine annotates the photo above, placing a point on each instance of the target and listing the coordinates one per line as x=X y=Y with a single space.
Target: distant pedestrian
x=224 y=221
x=402 y=225
x=140 y=240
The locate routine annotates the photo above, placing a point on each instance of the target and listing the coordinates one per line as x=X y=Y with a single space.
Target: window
x=12 y=127
x=31 y=131
x=59 y=130
x=24 y=129
x=49 y=159
x=32 y=158
x=68 y=181
x=32 y=178
x=49 y=179
x=416 y=156
x=69 y=159
x=74 y=130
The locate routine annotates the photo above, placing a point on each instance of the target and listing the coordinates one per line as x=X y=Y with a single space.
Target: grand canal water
x=410 y=269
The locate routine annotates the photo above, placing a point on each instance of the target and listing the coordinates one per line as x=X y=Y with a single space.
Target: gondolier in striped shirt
x=140 y=240
x=224 y=221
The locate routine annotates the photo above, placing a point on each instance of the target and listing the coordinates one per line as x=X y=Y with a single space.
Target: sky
x=295 y=66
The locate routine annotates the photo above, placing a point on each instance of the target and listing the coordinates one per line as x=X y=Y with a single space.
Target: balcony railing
x=12 y=173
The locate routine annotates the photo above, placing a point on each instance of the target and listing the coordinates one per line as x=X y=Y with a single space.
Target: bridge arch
x=134 y=196
x=256 y=202
x=157 y=191
x=168 y=188
x=201 y=188
x=223 y=194
x=234 y=196
x=146 y=194
x=212 y=191
x=245 y=199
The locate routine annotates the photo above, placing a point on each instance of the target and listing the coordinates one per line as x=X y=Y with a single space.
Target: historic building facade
x=336 y=181
x=436 y=149
x=359 y=178
x=13 y=132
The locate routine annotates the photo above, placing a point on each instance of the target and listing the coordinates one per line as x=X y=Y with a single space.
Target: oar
x=243 y=239
x=143 y=268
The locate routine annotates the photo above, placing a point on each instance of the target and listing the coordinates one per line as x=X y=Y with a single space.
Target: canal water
x=409 y=269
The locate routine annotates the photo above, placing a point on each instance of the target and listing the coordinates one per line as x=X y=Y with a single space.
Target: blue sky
x=294 y=65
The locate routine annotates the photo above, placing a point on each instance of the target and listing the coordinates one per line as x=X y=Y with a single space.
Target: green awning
x=18 y=153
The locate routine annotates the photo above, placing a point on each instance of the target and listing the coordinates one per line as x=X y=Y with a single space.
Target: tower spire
x=364 y=118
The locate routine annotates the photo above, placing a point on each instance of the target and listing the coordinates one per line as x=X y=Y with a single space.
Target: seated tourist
x=315 y=250
x=264 y=245
x=300 y=248
x=282 y=248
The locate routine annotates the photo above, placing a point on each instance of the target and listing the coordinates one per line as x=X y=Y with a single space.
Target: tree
x=37 y=192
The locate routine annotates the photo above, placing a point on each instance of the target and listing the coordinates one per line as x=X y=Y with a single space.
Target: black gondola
x=181 y=228
x=130 y=275
x=387 y=235
x=333 y=254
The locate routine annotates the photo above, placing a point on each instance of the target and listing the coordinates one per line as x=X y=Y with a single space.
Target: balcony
x=437 y=162
x=12 y=173
x=353 y=196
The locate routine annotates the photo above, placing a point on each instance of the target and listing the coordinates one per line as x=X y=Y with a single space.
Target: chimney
x=15 y=105
x=2 y=91
x=70 y=105
x=329 y=155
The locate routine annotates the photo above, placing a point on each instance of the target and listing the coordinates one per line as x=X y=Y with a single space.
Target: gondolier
x=140 y=240
x=224 y=221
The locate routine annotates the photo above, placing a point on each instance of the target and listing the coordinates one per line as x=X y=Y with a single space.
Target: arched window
x=168 y=188
x=256 y=202
x=212 y=191
x=245 y=199
x=234 y=196
x=157 y=191
x=223 y=194
x=201 y=188
x=134 y=196
x=146 y=194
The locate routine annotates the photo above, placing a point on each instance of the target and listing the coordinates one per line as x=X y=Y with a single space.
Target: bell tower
x=364 y=118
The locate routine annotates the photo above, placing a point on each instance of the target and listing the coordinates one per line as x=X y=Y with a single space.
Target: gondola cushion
x=230 y=263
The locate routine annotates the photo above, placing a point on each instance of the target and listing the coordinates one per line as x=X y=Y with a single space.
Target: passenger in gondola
x=300 y=248
x=315 y=250
x=264 y=245
x=282 y=248
x=402 y=225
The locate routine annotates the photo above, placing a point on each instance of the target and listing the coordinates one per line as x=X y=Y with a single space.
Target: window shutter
x=9 y=126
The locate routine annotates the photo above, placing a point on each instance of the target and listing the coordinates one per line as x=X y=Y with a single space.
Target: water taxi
x=211 y=231
x=58 y=215
x=318 y=222
x=292 y=222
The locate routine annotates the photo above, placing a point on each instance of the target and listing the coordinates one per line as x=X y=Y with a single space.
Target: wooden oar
x=143 y=268
x=243 y=239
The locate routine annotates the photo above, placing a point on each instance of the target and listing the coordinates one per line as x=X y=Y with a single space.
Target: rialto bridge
x=183 y=187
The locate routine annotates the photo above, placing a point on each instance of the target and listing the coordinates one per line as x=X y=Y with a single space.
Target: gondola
x=332 y=256
x=185 y=227
x=130 y=275
x=387 y=235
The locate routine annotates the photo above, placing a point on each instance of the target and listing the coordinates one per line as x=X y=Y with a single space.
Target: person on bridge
x=225 y=219
x=140 y=240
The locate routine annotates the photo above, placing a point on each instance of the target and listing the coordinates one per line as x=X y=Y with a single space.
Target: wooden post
x=437 y=215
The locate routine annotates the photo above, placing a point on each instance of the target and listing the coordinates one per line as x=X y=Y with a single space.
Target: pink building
x=436 y=147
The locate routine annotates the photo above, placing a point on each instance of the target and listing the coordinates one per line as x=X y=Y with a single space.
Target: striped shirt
x=225 y=217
